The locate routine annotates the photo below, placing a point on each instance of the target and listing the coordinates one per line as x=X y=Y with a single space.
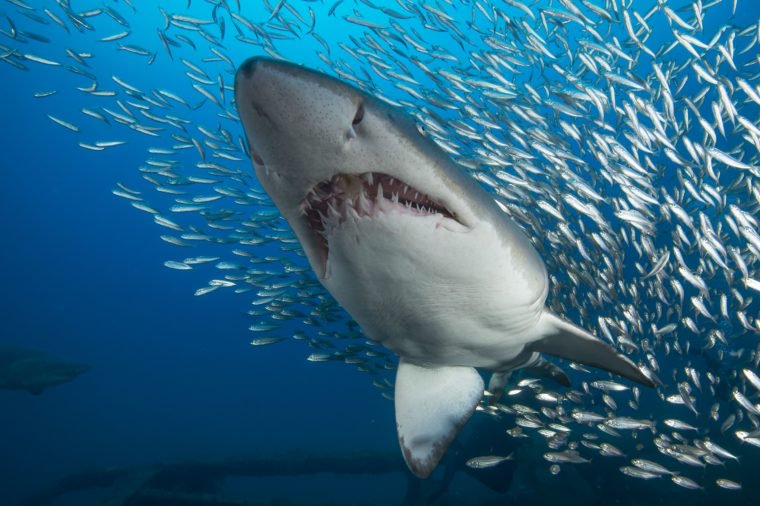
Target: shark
x=33 y=370
x=418 y=253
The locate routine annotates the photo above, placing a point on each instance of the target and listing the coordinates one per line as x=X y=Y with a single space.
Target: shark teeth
x=364 y=203
x=329 y=203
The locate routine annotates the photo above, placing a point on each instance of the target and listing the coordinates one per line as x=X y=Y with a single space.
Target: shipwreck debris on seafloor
x=199 y=483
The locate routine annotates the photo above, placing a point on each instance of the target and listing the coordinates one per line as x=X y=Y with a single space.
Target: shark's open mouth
x=329 y=203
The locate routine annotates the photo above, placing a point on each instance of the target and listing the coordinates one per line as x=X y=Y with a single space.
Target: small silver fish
x=568 y=456
x=652 y=467
x=683 y=481
x=636 y=472
x=487 y=461
x=728 y=484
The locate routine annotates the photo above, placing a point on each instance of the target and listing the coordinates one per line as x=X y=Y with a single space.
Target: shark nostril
x=261 y=112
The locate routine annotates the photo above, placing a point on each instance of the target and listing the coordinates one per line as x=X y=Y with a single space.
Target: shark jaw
x=331 y=203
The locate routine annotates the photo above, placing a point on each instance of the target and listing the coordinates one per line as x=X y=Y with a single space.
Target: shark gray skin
x=34 y=371
x=415 y=250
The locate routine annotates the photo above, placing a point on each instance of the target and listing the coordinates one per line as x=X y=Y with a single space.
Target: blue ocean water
x=174 y=378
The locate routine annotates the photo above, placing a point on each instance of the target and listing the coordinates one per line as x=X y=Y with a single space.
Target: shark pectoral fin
x=496 y=385
x=563 y=339
x=545 y=369
x=432 y=404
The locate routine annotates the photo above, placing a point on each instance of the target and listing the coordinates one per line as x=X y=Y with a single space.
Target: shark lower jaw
x=331 y=203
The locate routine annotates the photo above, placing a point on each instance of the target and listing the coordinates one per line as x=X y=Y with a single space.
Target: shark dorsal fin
x=563 y=339
x=432 y=404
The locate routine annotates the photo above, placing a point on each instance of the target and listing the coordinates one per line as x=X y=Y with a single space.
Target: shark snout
x=247 y=68
x=250 y=91
x=297 y=121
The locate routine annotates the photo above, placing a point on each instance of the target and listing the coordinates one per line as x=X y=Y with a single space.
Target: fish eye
x=359 y=116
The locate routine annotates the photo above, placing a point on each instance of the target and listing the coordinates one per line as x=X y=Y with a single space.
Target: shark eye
x=359 y=116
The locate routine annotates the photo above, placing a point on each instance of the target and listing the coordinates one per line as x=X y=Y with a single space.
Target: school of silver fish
x=623 y=136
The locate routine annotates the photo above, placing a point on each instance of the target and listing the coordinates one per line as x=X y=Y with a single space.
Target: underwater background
x=174 y=383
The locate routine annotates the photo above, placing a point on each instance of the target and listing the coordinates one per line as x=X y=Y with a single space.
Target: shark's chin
x=329 y=204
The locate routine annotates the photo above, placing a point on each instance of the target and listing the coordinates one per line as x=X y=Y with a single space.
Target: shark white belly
x=419 y=299
x=419 y=254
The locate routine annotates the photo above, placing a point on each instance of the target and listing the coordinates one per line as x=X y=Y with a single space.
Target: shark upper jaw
x=319 y=210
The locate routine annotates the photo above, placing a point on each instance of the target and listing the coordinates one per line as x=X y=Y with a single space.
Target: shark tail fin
x=432 y=404
x=565 y=340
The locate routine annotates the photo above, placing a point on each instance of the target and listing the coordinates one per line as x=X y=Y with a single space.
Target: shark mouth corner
x=329 y=203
